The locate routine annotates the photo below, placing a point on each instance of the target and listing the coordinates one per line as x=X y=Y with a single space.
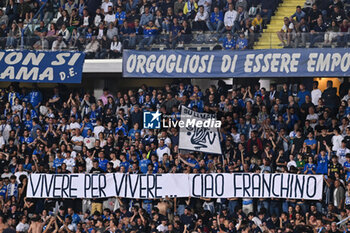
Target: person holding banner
x=214 y=184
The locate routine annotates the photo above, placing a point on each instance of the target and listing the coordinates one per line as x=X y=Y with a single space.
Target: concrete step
x=269 y=38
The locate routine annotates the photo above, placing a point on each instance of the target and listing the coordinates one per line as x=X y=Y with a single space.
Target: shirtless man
x=164 y=205
x=2 y=224
x=36 y=226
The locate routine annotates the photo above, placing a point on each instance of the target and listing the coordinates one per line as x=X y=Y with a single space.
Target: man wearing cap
x=141 y=96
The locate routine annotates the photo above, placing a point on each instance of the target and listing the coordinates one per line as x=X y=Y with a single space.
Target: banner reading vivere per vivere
x=238 y=64
x=41 y=66
x=153 y=186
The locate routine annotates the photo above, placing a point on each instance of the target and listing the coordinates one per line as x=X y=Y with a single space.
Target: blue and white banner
x=155 y=186
x=41 y=67
x=236 y=64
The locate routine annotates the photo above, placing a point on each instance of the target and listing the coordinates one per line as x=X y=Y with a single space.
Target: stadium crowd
x=263 y=131
x=104 y=28
x=323 y=22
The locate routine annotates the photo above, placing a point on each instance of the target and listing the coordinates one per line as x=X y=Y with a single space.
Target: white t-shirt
x=341 y=153
x=2 y=141
x=5 y=130
x=105 y=6
x=77 y=139
x=290 y=26
x=70 y=164
x=202 y=17
x=97 y=20
x=110 y=18
x=291 y=163
x=315 y=96
x=89 y=142
x=6 y=175
x=167 y=141
x=18 y=174
x=98 y=129
x=336 y=141
x=65 y=128
x=312 y=117
x=236 y=137
x=162 y=228
x=161 y=151
x=88 y=164
x=74 y=125
x=22 y=227
x=230 y=17
x=116 y=163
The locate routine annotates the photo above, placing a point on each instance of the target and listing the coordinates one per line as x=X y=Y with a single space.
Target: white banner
x=152 y=186
x=201 y=133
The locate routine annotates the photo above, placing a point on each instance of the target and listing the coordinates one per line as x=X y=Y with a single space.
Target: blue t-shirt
x=215 y=18
x=155 y=167
x=121 y=128
x=93 y=116
x=26 y=140
x=311 y=142
x=347 y=165
x=322 y=165
x=28 y=125
x=301 y=96
x=102 y=163
x=3 y=191
x=120 y=17
x=125 y=164
x=132 y=133
x=58 y=162
x=193 y=161
x=242 y=43
x=87 y=126
x=293 y=119
x=143 y=164
x=75 y=218
x=309 y=167
x=27 y=167
x=229 y=44
x=35 y=97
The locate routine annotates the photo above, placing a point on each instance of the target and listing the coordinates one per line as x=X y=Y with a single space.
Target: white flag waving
x=200 y=132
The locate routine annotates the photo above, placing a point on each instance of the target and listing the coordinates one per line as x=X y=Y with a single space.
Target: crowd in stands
x=324 y=22
x=103 y=29
x=304 y=131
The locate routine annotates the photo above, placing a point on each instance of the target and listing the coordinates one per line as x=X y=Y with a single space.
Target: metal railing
x=195 y=42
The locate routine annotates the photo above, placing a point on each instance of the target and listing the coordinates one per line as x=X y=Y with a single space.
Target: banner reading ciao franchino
x=151 y=186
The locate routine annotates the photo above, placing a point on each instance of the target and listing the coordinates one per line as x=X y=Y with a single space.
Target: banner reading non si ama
x=150 y=186
x=41 y=66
